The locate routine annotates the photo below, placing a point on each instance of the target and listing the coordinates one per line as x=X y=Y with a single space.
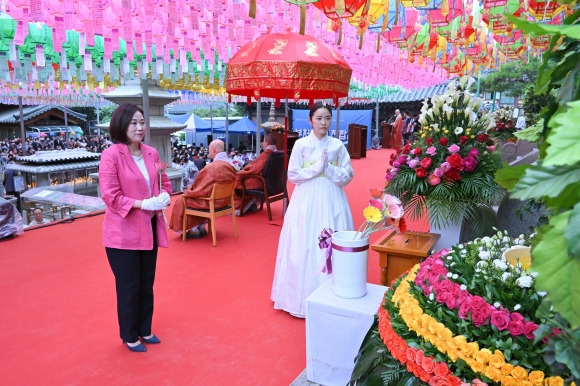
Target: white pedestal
x=335 y=329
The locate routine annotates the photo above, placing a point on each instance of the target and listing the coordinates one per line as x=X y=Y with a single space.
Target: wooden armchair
x=273 y=179
x=219 y=192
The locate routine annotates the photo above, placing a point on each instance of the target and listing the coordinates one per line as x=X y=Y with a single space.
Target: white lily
x=470 y=82
x=448 y=110
x=466 y=97
x=476 y=103
x=472 y=118
x=491 y=124
x=456 y=96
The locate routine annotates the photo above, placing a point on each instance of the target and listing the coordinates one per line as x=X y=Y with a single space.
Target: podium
x=292 y=137
x=357 y=141
x=399 y=252
x=387 y=128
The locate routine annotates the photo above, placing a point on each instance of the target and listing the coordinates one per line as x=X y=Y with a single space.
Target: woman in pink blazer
x=133 y=227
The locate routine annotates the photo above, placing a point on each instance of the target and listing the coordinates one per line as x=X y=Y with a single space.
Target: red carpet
x=213 y=312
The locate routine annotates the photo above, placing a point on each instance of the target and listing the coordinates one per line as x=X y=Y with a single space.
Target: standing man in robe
x=219 y=171
x=397 y=133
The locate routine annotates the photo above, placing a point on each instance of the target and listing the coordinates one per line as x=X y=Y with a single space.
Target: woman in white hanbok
x=319 y=166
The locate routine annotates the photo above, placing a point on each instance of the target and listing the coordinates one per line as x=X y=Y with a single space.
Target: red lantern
x=329 y=8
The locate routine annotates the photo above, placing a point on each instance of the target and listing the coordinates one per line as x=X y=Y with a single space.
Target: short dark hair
x=319 y=105
x=120 y=121
x=35 y=209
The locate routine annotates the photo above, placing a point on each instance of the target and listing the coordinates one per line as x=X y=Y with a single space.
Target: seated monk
x=220 y=170
x=254 y=167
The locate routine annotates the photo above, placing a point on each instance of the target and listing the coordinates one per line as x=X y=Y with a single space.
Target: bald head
x=216 y=146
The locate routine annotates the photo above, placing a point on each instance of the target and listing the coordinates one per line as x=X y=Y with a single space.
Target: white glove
x=164 y=198
x=153 y=203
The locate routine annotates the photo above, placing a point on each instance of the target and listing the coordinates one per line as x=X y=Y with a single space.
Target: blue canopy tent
x=178 y=118
x=242 y=126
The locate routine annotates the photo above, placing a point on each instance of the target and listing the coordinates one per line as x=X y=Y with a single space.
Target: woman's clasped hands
x=156 y=203
x=320 y=165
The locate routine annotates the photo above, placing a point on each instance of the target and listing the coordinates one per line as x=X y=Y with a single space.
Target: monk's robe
x=396 y=133
x=215 y=172
x=254 y=167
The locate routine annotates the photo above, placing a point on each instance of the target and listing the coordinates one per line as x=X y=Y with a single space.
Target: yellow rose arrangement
x=421 y=328
x=481 y=361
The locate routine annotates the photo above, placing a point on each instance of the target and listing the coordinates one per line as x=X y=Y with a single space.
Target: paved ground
x=302 y=381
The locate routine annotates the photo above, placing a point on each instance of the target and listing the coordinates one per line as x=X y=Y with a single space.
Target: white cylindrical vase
x=349 y=265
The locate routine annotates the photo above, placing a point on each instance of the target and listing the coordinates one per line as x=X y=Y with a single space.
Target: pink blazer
x=122 y=183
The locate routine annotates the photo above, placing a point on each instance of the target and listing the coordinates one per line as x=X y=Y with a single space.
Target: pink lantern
x=440 y=18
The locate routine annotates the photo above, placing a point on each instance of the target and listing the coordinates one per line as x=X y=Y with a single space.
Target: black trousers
x=134 y=272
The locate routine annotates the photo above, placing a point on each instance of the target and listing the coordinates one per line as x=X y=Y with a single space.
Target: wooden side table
x=398 y=252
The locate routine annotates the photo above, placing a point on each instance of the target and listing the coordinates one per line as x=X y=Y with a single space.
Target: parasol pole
x=337 y=118
x=227 y=129
x=259 y=124
x=377 y=119
x=285 y=199
x=211 y=119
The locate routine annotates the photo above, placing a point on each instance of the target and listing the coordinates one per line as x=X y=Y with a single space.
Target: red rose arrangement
x=449 y=170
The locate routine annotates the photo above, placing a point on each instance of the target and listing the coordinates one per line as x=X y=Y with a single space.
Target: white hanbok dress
x=318 y=202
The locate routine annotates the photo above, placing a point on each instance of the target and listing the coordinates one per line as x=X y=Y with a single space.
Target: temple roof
x=12 y=115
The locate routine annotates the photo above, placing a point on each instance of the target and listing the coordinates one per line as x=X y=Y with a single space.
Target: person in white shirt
x=38 y=217
x=521 y=122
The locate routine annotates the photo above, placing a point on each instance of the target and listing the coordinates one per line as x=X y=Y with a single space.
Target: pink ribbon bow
x=325 y=241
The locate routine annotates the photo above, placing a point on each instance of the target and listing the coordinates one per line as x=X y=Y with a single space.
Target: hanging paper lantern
x=405 y=29
x=414 y=3
x=337 y=9
x=433 y=4
x=540 y=42
x=7 y=29
x=442 y=17
x=493 y=3
x=543 y=10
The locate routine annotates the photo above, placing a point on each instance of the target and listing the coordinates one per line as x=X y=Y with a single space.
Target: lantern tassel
x=339 y=32
x=378 y=43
